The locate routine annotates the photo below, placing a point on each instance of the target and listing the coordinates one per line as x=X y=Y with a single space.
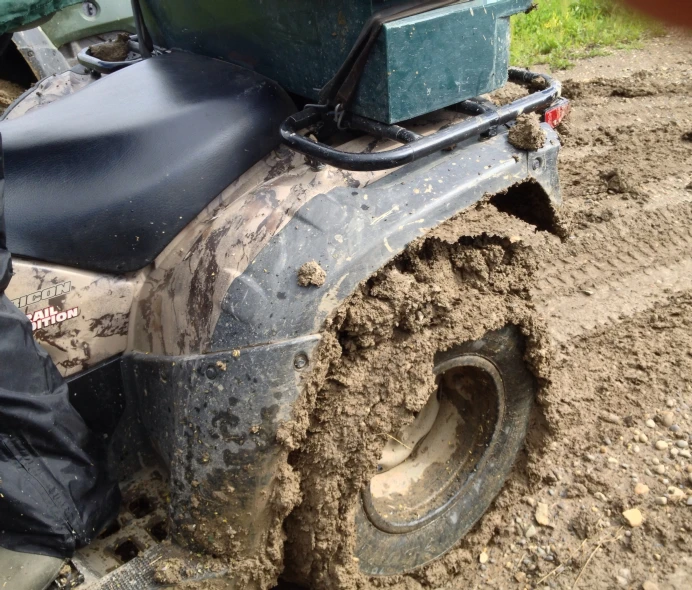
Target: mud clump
x=115 y=50
x=9 y=92
x=527 y=133
x=172 y=571
x=616 y=182
x=311 y=273
x=438 y=293
x=510 y=92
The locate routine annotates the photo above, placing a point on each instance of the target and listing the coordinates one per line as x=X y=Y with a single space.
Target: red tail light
x=557 y=112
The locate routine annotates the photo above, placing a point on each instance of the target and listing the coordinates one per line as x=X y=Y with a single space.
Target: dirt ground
x=602 y=495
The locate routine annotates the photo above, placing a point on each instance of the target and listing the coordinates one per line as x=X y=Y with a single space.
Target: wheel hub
x=423 y=468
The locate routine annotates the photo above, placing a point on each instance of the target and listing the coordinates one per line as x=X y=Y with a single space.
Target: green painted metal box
x=419 y=64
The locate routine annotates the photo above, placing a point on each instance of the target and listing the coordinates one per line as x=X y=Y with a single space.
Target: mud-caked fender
x=214 y=416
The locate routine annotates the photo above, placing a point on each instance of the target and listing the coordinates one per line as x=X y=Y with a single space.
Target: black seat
x=105 y=178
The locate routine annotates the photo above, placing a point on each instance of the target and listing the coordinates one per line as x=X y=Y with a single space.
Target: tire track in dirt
x=626 y=172
x=617 y=269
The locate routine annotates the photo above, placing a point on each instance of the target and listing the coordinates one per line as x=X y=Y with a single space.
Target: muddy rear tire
x=417 y=418
x=436 y=510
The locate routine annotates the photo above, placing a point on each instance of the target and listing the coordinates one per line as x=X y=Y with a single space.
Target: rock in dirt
x=641 y=489
x=650 y=423
x=675 y=494
x=611 y=418
x=667 y=419
x=633 y=517
x=542 y=514
x=530 y=532
x=311 y=273
x=649 y=585
x=527 y=133
x=483 y=557
x=115 y=50
x=661 y=445
x=615 y=181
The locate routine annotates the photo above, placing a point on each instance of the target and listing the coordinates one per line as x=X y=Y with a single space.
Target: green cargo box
x=419 y=64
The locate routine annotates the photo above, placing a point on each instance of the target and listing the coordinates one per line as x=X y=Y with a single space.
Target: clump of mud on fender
x=311 y=273
x=527 y=134
x=376 y=373
x=9 y=92
x=115 y=50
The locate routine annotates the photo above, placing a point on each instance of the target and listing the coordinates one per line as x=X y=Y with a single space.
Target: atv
x=198 y=236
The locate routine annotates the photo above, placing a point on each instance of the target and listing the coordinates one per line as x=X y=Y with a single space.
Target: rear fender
x=215 y=413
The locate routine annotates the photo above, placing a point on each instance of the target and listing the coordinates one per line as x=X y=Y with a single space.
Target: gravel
x=667 y=419
x=641 y=489
x=633 y=517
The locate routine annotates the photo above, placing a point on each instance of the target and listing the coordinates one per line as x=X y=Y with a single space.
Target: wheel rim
x=425 y=467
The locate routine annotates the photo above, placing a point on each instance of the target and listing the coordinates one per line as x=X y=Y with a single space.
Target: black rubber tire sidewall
x=385 y=554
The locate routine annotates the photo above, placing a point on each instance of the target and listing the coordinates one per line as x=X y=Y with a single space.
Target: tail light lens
x=555 y=113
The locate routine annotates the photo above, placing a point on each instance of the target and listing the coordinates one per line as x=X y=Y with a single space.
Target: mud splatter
x=9 y=91
x=311 y=273
x=115 y=50
x=527 y=133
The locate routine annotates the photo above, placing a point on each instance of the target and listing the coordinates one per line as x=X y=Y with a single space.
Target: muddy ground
x=602 y=495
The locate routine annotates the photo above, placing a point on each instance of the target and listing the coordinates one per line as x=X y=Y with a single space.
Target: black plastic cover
x=105 y=178
x=56 y=495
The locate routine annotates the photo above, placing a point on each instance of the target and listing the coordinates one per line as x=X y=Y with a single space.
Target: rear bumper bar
x=415 y=146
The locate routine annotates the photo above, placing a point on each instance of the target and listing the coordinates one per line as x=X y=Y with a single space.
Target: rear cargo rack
x=486 y=117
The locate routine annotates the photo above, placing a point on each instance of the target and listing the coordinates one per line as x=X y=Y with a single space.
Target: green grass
x=560 y=31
